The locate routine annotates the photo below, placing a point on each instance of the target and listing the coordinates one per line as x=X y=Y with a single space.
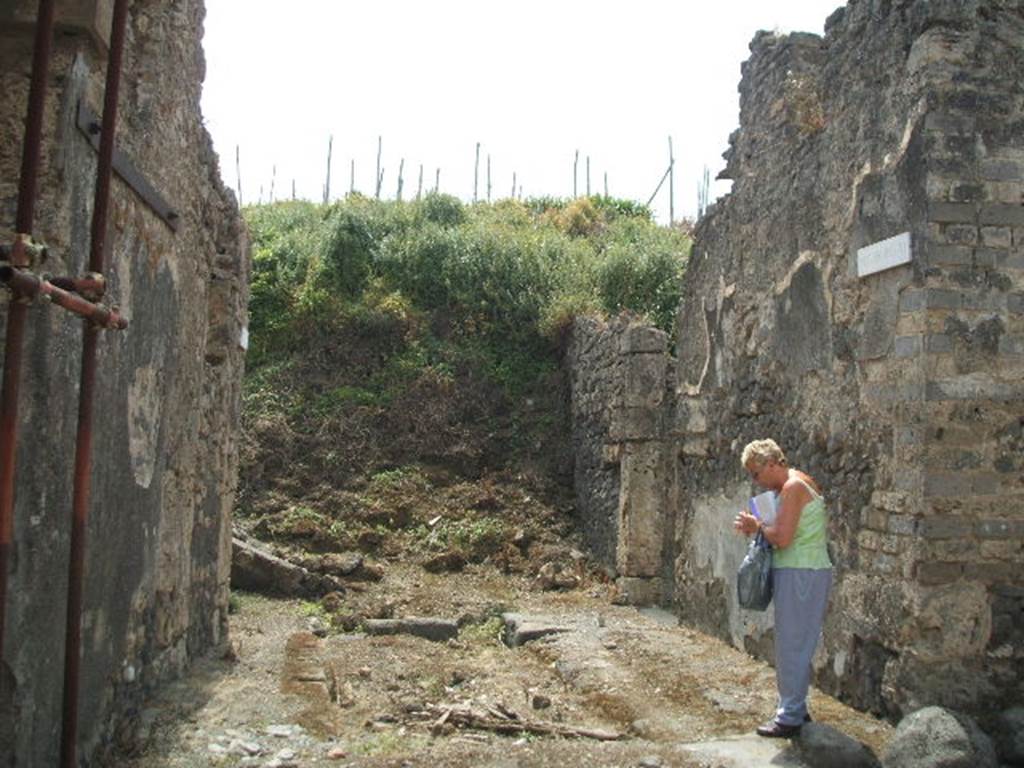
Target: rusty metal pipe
x=16 y=313
x=91 y=287
x=83 y=443
x=26 y=285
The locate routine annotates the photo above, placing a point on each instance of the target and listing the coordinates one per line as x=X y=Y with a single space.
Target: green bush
x=482 y=287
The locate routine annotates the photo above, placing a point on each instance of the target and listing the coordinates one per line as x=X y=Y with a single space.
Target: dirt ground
x=291 y=698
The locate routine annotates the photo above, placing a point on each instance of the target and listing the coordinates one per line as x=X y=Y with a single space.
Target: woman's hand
x=746 y=523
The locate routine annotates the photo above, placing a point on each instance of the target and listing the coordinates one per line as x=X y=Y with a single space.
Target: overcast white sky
x=532 y=81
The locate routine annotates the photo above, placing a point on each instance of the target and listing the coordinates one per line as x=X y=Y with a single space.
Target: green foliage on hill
x=505 y=276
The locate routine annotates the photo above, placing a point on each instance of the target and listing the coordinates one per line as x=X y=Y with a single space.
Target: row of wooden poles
x=517 y=188
x=25 y=286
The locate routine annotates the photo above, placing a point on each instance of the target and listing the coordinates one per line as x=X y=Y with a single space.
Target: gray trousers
x=800 y=596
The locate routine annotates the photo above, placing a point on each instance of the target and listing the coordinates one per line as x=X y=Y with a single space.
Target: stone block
x=642 y=499
x=874 y=519
x=1002 y=214
x=990 y=572
x=1009 y=192
x=892 y=393
x=953 y=213
x=611 y=453
x=973 y=387
x=912 y=300
x=942 y=122
x=93 y=17
x=959 y=235
x=951 y=255
x=634 y=424
x=907 y=346
x=986 y=301
x=943 y=298
x=947 y=484
x=1001 y=170
x=869 y=540
x=1015 y=303
x=692 y=416
x=944 y=527
x=1001 y=550
x=1000 y=529
x=641 y=591
x=938 y=343
x=645 y=380
x=892 y=544
x=934 y=573
x=996 y=237
x=697 y=446
x=887 y=564
x=902 y=525
x=639 y=339
x=969 y=193
x=1011 y=345
x=889 y=500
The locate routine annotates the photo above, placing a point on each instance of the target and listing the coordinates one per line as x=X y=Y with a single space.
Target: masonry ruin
x=168 y=387
x=859 y=296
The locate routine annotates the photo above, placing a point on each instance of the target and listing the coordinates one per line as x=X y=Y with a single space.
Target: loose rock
x=934 y=737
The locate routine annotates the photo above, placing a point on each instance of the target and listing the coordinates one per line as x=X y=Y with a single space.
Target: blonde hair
x=760 y=452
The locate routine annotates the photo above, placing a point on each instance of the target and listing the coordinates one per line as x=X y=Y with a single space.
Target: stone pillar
x=639 y=425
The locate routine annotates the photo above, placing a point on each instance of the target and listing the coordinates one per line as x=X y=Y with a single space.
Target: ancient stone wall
x=168 y=388
x=901 y=389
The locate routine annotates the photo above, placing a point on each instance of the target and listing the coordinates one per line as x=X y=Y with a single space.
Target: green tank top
x=808 y=549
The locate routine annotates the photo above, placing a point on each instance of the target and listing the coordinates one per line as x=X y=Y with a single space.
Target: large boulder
x=934 y=737
x=821 y=744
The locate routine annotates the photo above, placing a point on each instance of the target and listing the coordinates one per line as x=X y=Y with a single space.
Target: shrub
x=486 y=287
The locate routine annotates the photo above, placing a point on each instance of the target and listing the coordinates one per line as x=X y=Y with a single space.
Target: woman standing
x=801 y=576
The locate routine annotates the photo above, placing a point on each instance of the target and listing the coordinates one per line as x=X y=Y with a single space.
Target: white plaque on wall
x=885 y=254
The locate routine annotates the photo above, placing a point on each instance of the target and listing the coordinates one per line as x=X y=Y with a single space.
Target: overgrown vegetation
x=506 y=276
x=399 y=349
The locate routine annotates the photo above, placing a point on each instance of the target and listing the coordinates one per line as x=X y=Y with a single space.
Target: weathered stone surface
x=821 y=744
x=257 y=570
x=1008 y=735
x=524 y=628
x=167 y=391
x=641 y=591
x=437 y=630
x=934 y=737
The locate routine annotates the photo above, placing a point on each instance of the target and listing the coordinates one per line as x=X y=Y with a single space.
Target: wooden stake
x=488 y=177
x=513 y=185
x=606 y=183
x=401 y=169
x=352 y=177
x=380 y=172
x=273 y=178
x=588 y=175
x=437 y=181
x=575 y=162
x=671 y=184
x=327 y=184
x=419 y=187
x=476 y=171
x=293 y=190
x=238 y=174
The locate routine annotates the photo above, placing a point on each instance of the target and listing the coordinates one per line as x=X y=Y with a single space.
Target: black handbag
x=754 y=578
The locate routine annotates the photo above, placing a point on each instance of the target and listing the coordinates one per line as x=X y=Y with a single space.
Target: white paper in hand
x=763 y=507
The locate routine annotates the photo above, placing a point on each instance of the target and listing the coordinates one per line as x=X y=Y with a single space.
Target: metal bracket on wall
x=88 y=122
